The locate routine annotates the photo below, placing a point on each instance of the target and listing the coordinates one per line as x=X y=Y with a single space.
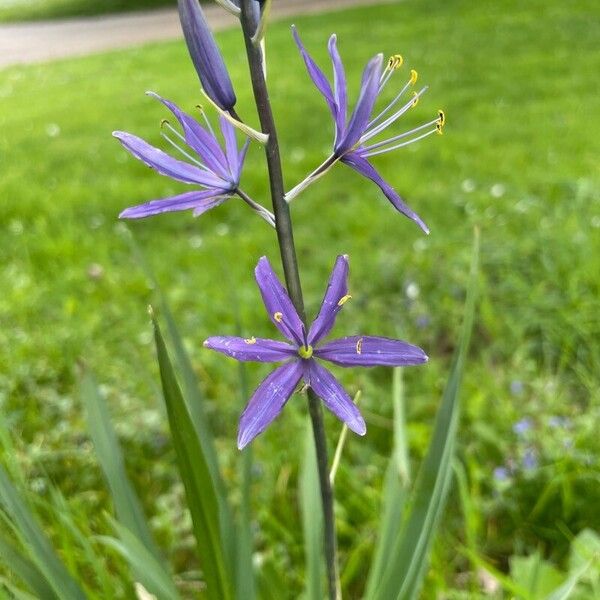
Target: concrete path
x=25 y=43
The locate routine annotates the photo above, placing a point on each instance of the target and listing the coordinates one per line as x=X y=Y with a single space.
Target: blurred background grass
x=519 y=158
x=28 y=10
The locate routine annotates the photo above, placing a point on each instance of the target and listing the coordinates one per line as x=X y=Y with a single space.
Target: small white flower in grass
x=497 y=190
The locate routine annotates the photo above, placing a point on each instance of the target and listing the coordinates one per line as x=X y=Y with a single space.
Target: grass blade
x=395 y=489
x=33 y=538
x=127 y=505
x=407 y=562
x=23 y=568
x=148 y=569
x=195 y=473
x=312 y=519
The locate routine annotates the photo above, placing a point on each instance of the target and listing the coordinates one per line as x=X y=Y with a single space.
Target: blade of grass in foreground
x=407 y=561
x=127 y=504
x=199 y=486
x=33 y=538
x=312 y=520
x=149 y=571
x=395 y=492
x=25 y=570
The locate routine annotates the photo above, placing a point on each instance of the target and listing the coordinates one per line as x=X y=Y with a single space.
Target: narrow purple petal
x=268 y=400
x=242 y=157
x=200 y=200
x=251 y=349
x=165 y=164
x=370 y=351
x=231 y=149
x=277 y=302
x=205 y=54
x=369 y=88
x=316 y=75
x=340 y=88
x=335 y=398
x=335 y=296
x=365 y=168
x=200 y=140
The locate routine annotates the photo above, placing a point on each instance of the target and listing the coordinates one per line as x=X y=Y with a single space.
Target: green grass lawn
x=519 y=159
x=33 y=10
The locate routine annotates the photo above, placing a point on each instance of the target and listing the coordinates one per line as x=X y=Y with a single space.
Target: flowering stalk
x=285 y=237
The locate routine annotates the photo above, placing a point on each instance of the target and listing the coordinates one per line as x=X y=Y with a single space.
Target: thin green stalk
x=285 y=237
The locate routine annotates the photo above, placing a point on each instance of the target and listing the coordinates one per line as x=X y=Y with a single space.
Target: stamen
x=395 y=62
x=186 y=154
x=415 y=99
x=379 y=128
x=359 y=346
x=384 y=150
x=413 y=77
x=344 y=299
x=201 y=109
x=400 y=136
x=250 y=341
x=441 y=117
x=278 y=316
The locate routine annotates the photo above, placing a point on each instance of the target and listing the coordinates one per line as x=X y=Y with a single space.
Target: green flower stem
x=285 y=236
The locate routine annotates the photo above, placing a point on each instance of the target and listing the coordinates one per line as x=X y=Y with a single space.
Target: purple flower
x=530 y=460
x=522 y=426
x=205 y=55
x=501 y=474
x=217 y=170
x=354 y=134
x=303 y=348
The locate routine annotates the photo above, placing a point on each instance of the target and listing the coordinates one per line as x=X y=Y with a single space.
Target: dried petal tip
x=205 y=55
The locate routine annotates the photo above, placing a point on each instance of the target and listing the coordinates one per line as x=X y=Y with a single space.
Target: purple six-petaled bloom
x=352 y=144
x=215 y=169
x=303 y=349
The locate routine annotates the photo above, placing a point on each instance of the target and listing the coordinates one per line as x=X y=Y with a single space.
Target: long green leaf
x=127 y=504
x=196 y=406
x=42 y=553
x=23 y=568
x=149 y=570
x=407 y=562
x=195 y=473
x=395 y=489
x=312 y=520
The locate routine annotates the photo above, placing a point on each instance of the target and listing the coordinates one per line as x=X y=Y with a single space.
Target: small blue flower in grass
x=303 y=349
x=214 y=168
x=354 y=136
x=522 y=426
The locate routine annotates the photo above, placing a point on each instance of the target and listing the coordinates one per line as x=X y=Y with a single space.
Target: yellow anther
x=413 y=77
x=395 y=62
x=359 y=346
x=415 y=99
x=278 y=317
x=441 y=117
x=439 y=128
x=344 y=299
x=305 y=351
x=164 y=122
x=250 y=341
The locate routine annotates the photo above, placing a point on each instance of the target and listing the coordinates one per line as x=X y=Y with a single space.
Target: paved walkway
x=24 y=43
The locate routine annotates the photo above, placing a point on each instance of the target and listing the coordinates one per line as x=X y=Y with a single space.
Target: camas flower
x=353 y=143
x=303 y=351
x=215 y=169
x=205 y=55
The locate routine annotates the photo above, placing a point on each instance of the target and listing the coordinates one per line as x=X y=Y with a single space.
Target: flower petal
x=267 y=401
x=335 y=296
x=371 y=351
x=231 y=149
x=340 y=88
x=165 y=164
x=200 y=200
x=200 y=140
x=251 y=349
x=316 y=75
x=335 y=398
x=205 y=54
x=365 y=168
x=369 y=88
x=277 y=302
